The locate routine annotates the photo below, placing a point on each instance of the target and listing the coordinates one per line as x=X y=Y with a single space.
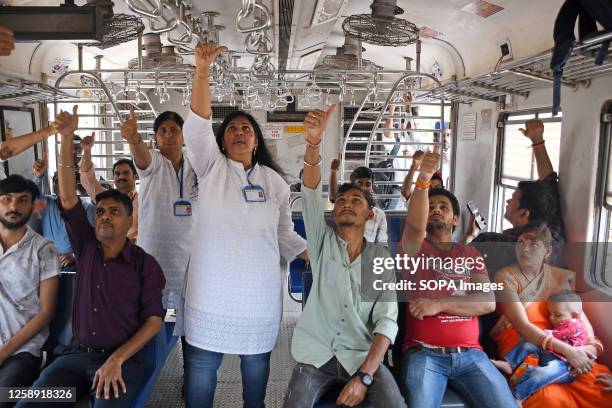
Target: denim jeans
x=425 y=375
x=201 y=377
x=551 y=370
x=19 y=370
x=76 y=368
x=308 y=384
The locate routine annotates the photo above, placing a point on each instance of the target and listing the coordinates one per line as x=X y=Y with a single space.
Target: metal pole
x=418 y=55
x=139 y=50
x=359 y=57
x=80 y=51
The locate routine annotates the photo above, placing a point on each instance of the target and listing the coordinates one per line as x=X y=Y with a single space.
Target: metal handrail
x=386 y=104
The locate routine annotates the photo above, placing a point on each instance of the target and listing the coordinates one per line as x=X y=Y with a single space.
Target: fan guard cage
x=119 y=29
x=348 y=62
x=393 y=32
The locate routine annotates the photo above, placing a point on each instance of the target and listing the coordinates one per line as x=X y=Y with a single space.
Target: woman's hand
x=206 y=54
x=580 y=359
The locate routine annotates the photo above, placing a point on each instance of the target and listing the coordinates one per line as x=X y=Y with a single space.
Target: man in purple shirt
x=117 y=306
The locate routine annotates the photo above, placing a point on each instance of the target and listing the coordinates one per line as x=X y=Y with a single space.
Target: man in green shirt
x=346 y=328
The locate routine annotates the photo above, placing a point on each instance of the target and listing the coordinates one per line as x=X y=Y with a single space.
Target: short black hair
x=361 y=172
x=451 y=197
x=18 y=184
x=565 y=296
x=167 y=115
x=352 y=186
x=125 y=161
x=540 y=199
x=116 y=195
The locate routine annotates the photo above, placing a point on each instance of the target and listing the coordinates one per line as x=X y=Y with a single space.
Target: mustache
x=348 y=211
x=8 y=214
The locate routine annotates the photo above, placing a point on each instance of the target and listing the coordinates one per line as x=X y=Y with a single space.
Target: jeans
x=426 y=373
x=76 y=368
x=19 y=370
x=309 y=383
x=551 y=370
x=201 y=377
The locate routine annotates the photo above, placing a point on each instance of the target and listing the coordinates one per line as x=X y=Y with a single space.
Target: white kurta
x=233 y=287
x=160 y=232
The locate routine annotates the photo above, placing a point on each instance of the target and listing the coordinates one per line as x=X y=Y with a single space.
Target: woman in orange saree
x=524 y=316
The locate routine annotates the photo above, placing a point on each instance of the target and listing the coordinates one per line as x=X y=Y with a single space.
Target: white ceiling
x=527 y=23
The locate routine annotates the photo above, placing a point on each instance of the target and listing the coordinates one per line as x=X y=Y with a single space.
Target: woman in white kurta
x=242 y=227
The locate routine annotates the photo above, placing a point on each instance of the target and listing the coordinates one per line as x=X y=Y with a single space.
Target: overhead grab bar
x=156 y=13
x=101 y=84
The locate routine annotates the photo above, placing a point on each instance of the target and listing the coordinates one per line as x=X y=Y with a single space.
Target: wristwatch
x=366 y=379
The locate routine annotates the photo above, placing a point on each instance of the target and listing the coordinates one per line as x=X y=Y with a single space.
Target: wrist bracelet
x=65 y=165
x=314 y=146
x=315 y=164
x=538 y=144
x=422 y=186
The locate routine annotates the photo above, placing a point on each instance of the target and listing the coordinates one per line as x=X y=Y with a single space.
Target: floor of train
x=167 y=392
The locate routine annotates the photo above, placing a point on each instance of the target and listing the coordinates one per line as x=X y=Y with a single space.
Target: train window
x=603 y=224
x=516 y=161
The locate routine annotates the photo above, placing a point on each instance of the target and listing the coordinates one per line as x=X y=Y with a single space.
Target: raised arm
x=205 y=55
x=389 y=123
x=314 y=123
x=418 y=206
x=202 y=149
x=88 y=174
x=138 y=148
x=67 y=124
x=333 y=180
x=15 y=145
x=417 y=157
x=534 y=130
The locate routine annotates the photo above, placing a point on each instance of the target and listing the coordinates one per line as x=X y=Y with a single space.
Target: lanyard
x=249 y=173
x=179 y=177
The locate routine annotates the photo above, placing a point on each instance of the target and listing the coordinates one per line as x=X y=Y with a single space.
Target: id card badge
x=182 y=208
x=254 y=194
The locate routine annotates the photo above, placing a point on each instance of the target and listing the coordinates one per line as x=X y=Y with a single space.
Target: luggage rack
x=519 y=78
x=28 y=92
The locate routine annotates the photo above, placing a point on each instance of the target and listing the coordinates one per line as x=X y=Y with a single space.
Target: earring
x=255 y=151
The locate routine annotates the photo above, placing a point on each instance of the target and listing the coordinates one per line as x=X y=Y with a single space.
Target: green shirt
x=337 y=319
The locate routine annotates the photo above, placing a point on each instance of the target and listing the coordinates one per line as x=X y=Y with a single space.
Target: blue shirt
x=54 y=227
x=52 y=224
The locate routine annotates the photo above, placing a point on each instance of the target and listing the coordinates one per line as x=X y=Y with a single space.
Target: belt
x=447 y=350
x=87 y=349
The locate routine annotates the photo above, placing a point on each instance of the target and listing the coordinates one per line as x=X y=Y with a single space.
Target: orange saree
x=583 y=392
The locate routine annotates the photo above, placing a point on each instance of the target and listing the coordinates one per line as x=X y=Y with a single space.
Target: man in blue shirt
x=52 y=224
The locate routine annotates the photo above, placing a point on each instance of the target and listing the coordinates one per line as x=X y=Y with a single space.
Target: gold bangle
x=315 y=164
x=68 y=166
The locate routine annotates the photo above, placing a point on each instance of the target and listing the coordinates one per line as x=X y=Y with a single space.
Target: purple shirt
x=113 y=296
